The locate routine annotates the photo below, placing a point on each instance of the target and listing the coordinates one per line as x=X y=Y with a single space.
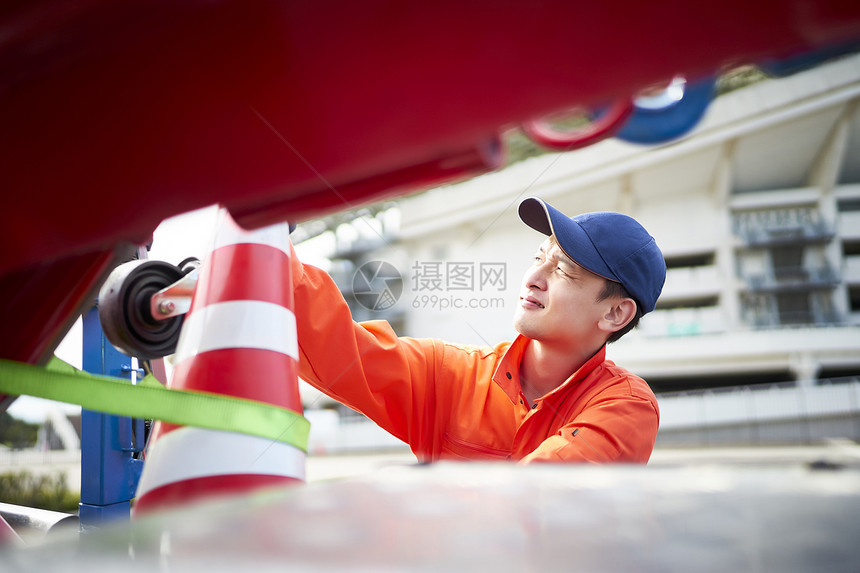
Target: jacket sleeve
x=611 y=428
x=362 y=365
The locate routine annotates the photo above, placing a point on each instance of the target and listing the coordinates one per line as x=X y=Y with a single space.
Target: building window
x=836 y=374
x=687 y=261
x=694 y=302
x=849 y=204
x=794 y=308
x=850 y=248
x=714 y=382
x=854 y=298
x=788 y=263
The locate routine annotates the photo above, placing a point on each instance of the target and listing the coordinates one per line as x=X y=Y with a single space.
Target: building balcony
x=793 y=279
x=794 y=234
x=793 y=318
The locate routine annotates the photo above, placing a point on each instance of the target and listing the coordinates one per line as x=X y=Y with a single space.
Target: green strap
x=149 y=399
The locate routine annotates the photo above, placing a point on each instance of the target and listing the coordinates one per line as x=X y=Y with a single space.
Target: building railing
x=777 y=413
x=813 y=316
x=761 y=236
x=785 y=279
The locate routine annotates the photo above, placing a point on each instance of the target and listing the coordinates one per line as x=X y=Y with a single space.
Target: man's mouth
x=533 y=301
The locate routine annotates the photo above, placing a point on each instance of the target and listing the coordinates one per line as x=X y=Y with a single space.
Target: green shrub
x=16 y=433
x=43 y=491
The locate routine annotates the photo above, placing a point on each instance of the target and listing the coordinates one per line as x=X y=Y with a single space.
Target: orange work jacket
x=454 y=402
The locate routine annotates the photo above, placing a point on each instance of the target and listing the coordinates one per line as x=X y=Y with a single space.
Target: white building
x=756 y=338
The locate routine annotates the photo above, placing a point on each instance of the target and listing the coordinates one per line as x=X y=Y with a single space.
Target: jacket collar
x=507 y=374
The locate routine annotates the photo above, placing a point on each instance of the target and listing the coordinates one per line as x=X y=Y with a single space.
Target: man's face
x=559 y=299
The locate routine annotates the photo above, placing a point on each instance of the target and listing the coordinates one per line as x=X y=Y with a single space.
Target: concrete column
x=824 y=176
x=805 y=368
x=721 y=191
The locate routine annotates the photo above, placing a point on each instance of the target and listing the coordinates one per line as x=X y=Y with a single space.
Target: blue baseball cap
x=611 y=245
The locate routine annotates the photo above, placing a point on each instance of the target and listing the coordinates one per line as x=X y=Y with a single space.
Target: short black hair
x=615 y=289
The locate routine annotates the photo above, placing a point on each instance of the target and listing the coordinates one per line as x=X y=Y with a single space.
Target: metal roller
x=125 y=313
x=30 y=520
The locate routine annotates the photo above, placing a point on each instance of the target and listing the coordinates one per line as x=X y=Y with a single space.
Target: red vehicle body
x=116 y=115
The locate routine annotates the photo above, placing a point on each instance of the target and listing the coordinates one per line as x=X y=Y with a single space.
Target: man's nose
x=535 y=277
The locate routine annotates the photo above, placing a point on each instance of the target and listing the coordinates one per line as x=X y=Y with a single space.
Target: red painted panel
x=116 y=115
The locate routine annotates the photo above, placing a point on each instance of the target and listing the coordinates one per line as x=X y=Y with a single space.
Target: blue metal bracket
x=110 y=470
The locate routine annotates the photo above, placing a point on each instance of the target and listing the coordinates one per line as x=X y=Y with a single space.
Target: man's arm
x=610 y=429
x=365 y=366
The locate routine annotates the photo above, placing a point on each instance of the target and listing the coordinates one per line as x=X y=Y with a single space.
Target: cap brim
x=572 y=239
x=533 y=213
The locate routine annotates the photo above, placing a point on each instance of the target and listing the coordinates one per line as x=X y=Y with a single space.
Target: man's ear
x=620 y=312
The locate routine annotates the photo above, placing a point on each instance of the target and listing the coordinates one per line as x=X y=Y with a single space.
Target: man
x=550 y=395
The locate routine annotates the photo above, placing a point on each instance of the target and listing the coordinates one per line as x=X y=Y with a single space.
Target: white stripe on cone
x=205 y=453
x=238 y=324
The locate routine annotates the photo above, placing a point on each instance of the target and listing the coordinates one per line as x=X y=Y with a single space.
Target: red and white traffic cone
x=238 y=339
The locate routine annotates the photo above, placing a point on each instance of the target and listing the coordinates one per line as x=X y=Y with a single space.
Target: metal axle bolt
x=166 y=307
